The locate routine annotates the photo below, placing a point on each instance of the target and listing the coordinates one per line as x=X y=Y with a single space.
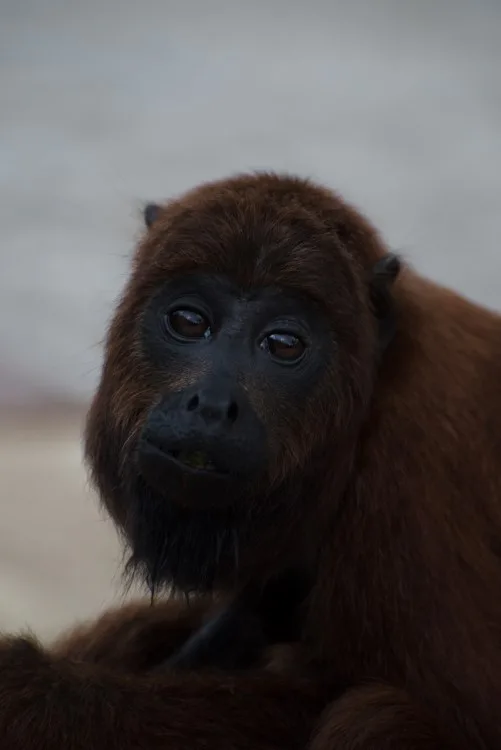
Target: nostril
x=232 y=412
x=193 y=403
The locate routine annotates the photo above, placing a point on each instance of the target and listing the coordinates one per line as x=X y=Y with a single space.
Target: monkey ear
x=384 y=274
x=151 y=212
x=386 y=270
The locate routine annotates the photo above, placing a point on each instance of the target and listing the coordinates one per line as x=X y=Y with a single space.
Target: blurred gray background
x=397 y=104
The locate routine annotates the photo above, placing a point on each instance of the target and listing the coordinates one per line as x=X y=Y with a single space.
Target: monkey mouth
x=195 y=460
x=189 y=474
x=192 y=461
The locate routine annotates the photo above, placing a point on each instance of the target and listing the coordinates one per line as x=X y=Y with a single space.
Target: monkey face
x=229 y=366
x=238 y=368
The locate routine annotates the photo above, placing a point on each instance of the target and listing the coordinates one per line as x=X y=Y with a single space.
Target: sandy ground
x=105 y=105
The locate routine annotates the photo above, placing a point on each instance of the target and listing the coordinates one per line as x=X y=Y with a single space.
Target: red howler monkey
x=280 y=399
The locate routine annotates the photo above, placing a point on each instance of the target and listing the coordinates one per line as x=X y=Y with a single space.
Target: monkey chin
x=185 y=525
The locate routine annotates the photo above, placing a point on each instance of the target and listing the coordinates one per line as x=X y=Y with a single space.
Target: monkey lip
x=197 y=461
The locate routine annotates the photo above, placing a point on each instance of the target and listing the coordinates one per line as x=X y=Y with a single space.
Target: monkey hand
x=230 y=639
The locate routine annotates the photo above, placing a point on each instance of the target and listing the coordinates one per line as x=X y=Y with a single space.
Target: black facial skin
x=209 y=431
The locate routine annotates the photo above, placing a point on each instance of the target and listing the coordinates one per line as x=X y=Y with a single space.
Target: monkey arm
x=92 y=689
x=49 y=702
x=378 y=717
x=135 y=637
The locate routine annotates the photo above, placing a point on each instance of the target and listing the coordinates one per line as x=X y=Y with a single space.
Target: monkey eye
x=188 y=324
x=283 y=346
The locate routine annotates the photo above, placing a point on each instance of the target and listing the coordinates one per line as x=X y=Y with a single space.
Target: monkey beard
x=184 y=549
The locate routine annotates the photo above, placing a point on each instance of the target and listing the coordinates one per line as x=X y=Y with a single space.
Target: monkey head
x=238 y=369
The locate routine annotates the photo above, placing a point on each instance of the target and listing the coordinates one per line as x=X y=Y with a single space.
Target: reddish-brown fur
x=406 y=609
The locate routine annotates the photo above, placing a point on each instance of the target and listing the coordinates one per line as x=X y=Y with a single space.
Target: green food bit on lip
x=198 y=459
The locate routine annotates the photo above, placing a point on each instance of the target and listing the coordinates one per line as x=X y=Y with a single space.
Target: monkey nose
x=215 y=408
